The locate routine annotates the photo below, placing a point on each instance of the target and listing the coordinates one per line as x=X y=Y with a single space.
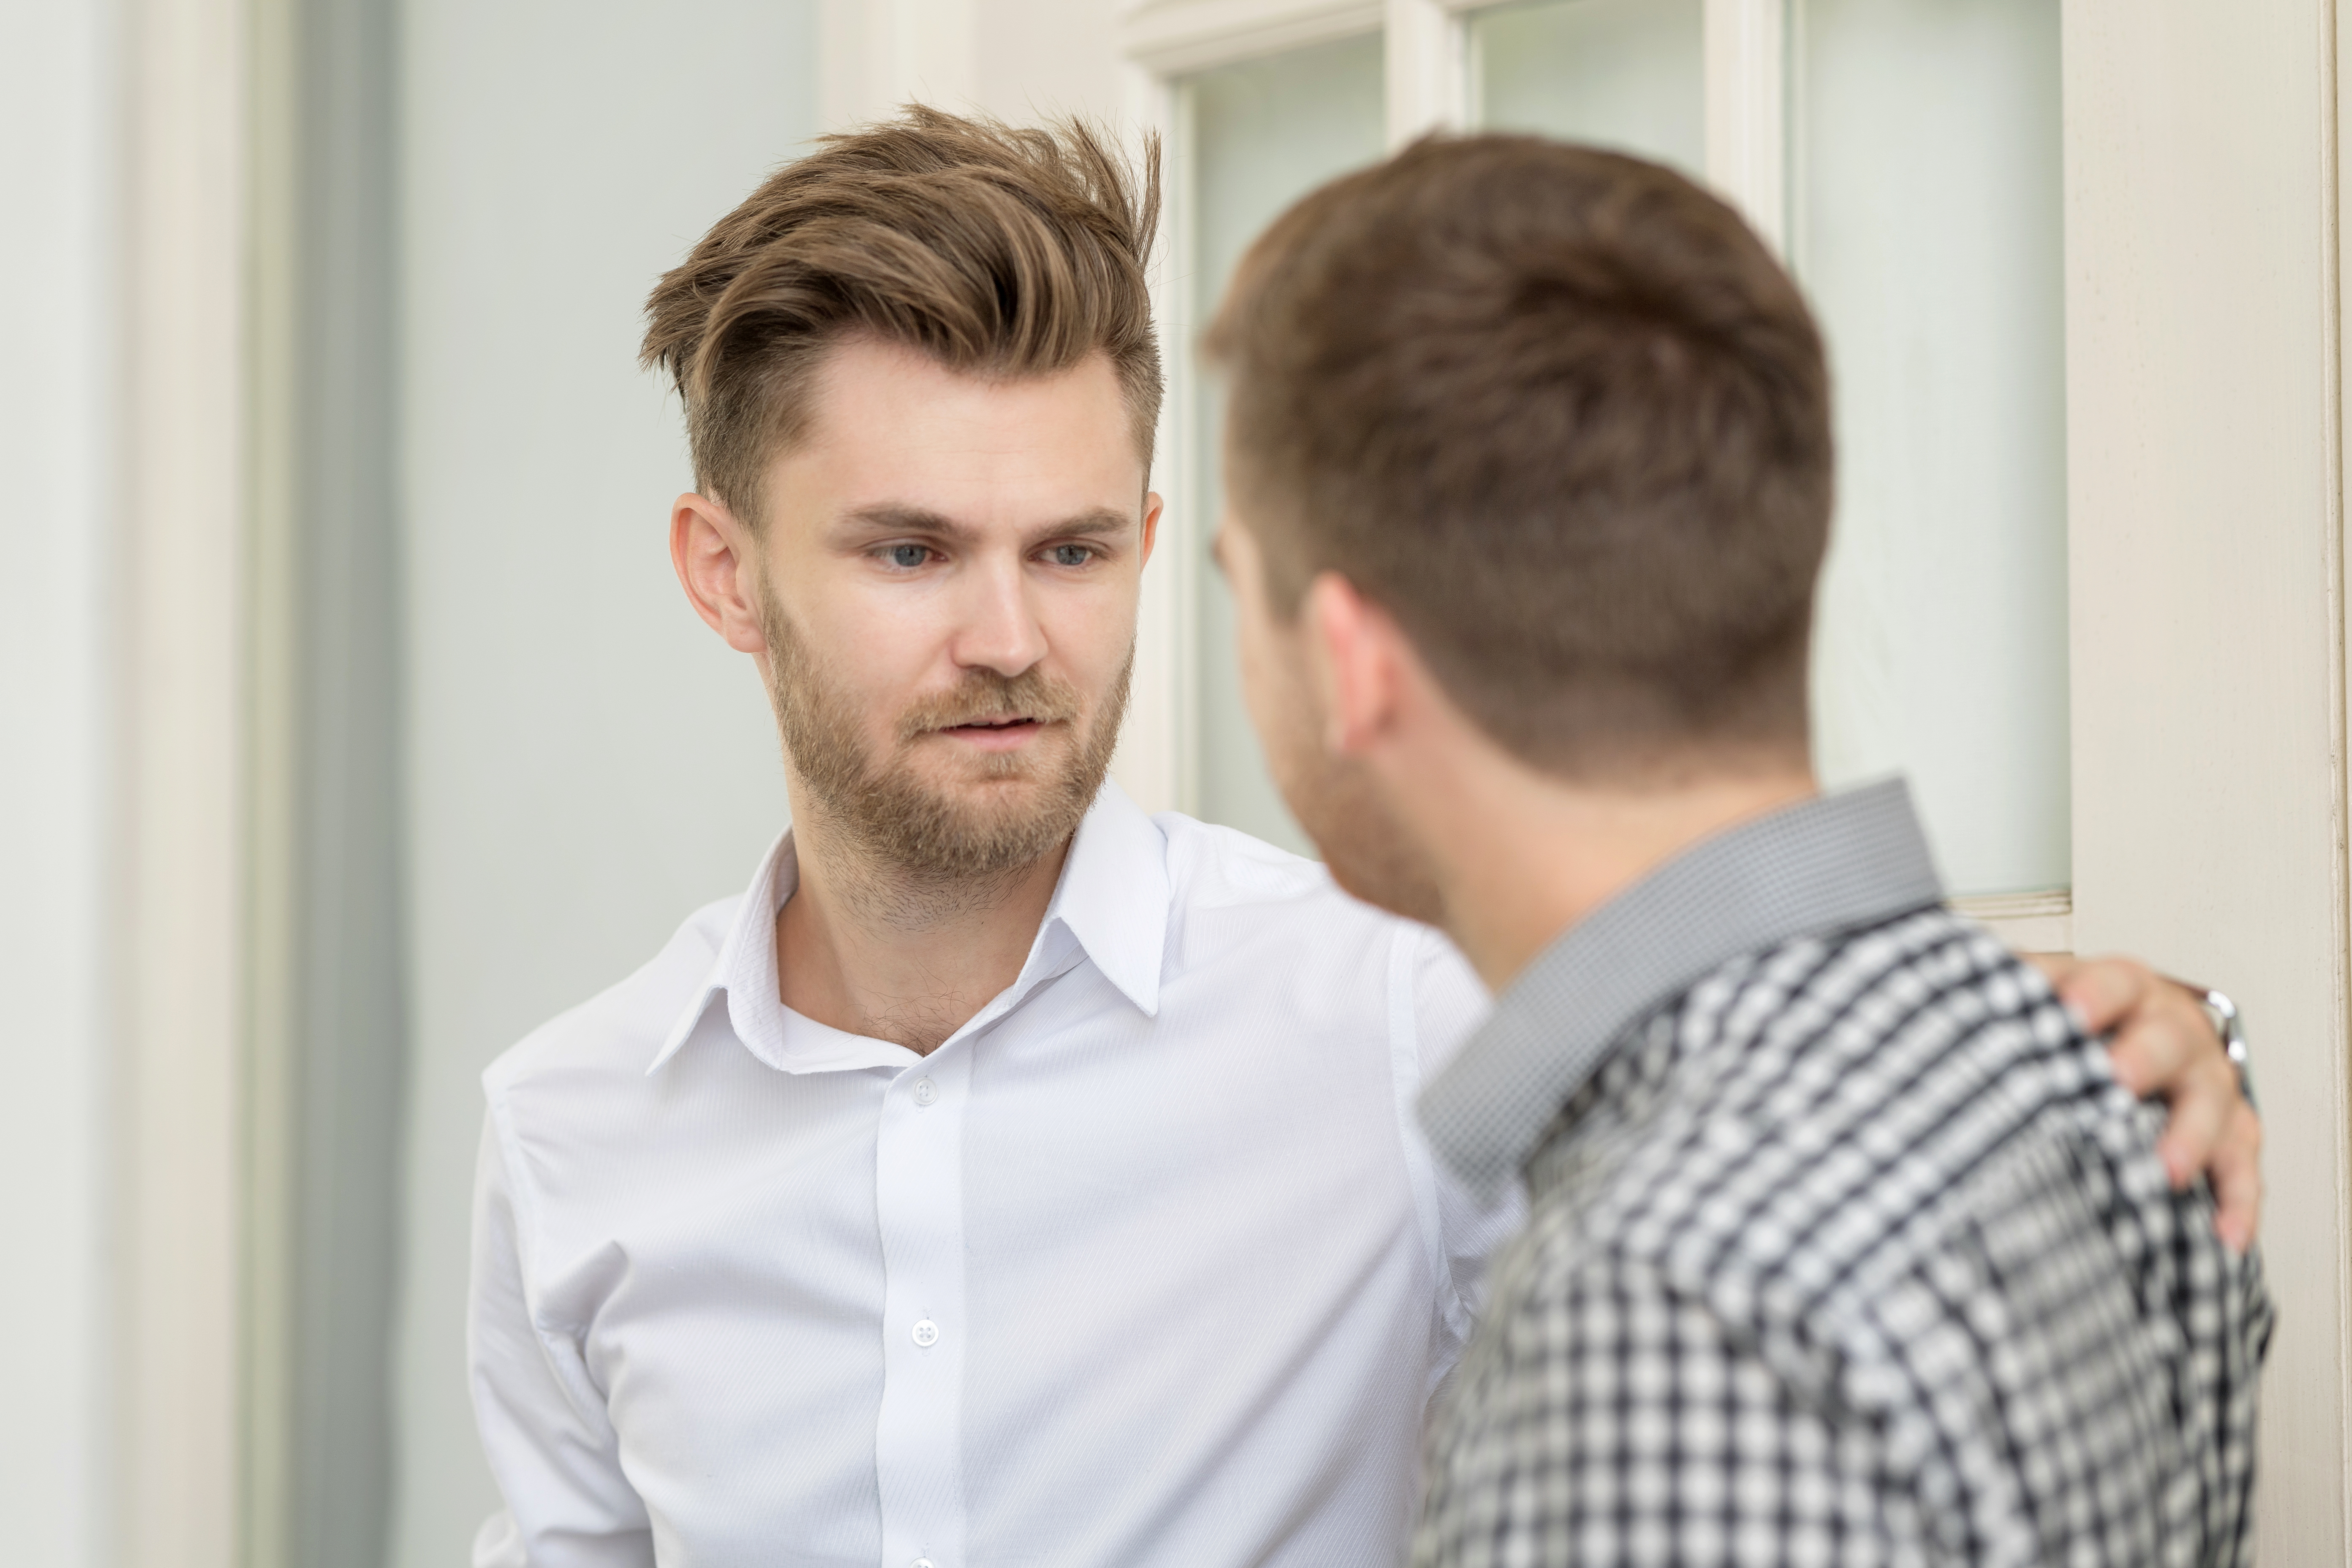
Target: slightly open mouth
x=1011 y=733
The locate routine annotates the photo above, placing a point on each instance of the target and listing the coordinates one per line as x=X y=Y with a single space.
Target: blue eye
x=908 y=555
x=1072 y=554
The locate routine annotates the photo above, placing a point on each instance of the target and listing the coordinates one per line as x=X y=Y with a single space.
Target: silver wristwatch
x=2222 y=1014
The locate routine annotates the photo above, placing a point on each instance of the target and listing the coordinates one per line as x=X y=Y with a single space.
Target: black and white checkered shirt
x=1844 y=1245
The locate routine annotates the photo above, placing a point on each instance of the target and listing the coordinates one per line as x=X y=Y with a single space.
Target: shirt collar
x=1112 y=899
x=1829 y=864
x=1114 y=895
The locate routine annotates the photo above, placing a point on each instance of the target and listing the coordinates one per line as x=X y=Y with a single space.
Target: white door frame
x=178 y=956
x=2204 y=455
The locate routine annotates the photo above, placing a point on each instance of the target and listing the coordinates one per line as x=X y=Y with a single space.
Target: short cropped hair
x=1563 y=415
x=995 y=250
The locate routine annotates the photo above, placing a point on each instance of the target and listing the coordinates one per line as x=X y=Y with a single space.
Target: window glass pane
x=1929 y=234
x=1261 y=135
x=1629 y=74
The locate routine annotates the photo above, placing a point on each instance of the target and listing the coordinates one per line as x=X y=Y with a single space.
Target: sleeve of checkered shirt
x=1605 y=1419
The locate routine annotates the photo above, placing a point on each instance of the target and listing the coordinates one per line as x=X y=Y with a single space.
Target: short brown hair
x=996 y=251
x=1561 y=413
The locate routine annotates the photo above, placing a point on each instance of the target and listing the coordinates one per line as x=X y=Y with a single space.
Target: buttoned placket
x=918 y=1206
x=918 y=1203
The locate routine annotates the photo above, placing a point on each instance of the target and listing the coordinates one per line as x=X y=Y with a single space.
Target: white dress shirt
x=1148 y=1264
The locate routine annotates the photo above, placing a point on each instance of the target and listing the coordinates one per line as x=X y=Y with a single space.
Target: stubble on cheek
x=1009 y=809
x=1365 y=846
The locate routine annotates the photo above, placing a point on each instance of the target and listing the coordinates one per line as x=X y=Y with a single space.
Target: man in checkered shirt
x=1844 y=1245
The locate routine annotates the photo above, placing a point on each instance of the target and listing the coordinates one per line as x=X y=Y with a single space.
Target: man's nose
x=1001 y=630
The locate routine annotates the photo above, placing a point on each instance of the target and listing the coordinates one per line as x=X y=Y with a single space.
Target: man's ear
x=1153 y=503
x=1359 y=654
x=717 y=565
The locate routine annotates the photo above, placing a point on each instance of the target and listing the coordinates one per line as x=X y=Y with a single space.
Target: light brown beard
x=901 y=827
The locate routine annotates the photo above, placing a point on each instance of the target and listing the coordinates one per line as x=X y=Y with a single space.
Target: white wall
x=58 y=153
x=1021 y=60
x=586 y=763
x=1033 y=58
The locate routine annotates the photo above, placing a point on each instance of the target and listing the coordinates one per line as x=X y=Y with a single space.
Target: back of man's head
x=995 y=250
x=1563 y=415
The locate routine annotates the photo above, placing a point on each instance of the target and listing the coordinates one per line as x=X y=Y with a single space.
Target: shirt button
x=926 y=1091
x=920 y=1563
x=926 y=1333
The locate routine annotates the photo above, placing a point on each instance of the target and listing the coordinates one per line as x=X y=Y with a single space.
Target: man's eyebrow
x=1090 y=525
x=891 y=518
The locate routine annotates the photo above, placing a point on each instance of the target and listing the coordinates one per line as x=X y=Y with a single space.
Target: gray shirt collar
x=1825 y=865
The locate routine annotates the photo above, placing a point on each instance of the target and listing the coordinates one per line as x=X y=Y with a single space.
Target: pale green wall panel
x=1930 y=234
x=1624 y=74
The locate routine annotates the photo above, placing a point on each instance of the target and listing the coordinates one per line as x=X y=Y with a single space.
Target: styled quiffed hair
x=996 y=251
x=1561 y=413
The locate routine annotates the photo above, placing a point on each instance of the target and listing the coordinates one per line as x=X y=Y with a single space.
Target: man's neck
x=1528 y=854
x=872 y=951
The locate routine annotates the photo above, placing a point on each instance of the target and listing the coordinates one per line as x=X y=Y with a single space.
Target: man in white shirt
x=1008 y=1177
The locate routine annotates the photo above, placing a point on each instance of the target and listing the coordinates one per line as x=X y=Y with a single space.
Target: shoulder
x=1923 y=1014
x=1833 y=1107
x=1223 y=878
x=613 y=1035
x=1236 y=899
x=1210 y=866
